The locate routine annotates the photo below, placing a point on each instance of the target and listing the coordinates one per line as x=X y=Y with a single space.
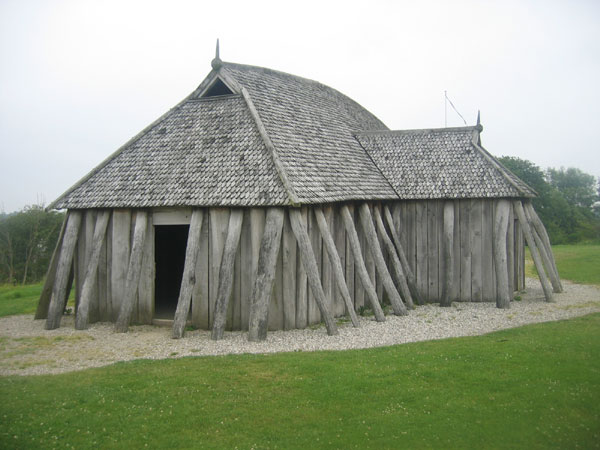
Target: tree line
x=568 y=200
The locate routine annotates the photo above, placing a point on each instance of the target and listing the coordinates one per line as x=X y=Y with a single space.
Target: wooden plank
x=111 y=315
x=44 y=301
x=349 y=267
x=218 y=220
x=314 y=314
x=342 y=307
x=447 y=244
x=488 y=284
x=475 y=220
x=336 y=263
x=519 y=255
x=360 y=290
x=501 y=219
x=147 y=277
x=301 y=283
x=236 y=293
x=465 y=250
x=533 y=249
x=421 y=249
x=432 y=251
x=188 y=278
x=200 y=294
x=247 y=265
x=310 y=266
x=91 y=274
x=327 y=271
x=133 y=272
x=63 y=269
x=265 y=274
x=411 y=242
x=103 y=280
x=275 y=313
x=289 y=258
x=121 y=225
x=510 y=251
x=359 y=264
x=456 y=269
x=226 y=272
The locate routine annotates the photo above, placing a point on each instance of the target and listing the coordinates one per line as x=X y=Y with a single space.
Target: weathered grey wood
x=465 y=250
x=133 y=272
x=339 y=238
x=314 y=313
x=349 y=269
x=200 y=294
x=110 y=315
x=91 y=275
x=121 y=228
x=360 y=290
x=247 y=268
x=146 y=285
x=433 y=290
x=533 y=249
x=409 y=211
x=500 y=230
x=65 y=261
x=44 y=301
x=310 y=266
x=226 y=272
x=302 y=283
x=394 y=259
x=265 y=275
x=336 y=264
x=359 y=264
x=488 y=283
x=476 y=250
x=275 y=311
x=519 y=255
x=236 y=293
x=188 y=279
x=510 y=251
x=538 y=229
x=327 y=275
x=421 y=249
x=400 y=253
x=103 y=280
x=289 y=258
x=218 y=220
x=448 y=253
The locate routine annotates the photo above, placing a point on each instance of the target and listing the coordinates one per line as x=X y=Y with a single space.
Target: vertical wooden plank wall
x=200 y=295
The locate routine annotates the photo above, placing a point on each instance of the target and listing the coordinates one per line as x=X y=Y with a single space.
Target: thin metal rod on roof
x=447 y=100
x=478 y=117
x=217 y=51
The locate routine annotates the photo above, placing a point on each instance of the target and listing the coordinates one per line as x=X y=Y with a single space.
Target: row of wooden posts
x=398 y=280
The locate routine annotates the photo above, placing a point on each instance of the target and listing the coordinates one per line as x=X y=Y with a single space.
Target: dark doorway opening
x=170 y=242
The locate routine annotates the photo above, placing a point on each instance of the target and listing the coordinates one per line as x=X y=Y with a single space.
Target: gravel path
x=26 y=348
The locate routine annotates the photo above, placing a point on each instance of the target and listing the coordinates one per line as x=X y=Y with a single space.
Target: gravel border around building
x=27 y=349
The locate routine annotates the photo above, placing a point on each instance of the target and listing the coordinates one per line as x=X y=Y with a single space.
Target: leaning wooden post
x=226 y=273
x=44 y=301
x=265 y=275
x=503 y=291
x=448 y=251
x=65 y=260
x=359 y=263
x=91 y=274
x=133 y=272
x=309 y=262
x=367 y=223
x=396 y=264
x=544 y=245
x=410 y=276
x=188 y=280
x=334 y=257
x=533 y=249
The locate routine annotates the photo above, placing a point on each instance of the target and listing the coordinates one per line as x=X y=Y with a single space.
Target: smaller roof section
x=440 y=163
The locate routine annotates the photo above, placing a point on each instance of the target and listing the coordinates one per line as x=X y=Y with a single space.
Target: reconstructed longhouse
x=266 y=201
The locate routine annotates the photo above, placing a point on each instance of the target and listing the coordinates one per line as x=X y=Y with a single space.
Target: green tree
x=578 y=188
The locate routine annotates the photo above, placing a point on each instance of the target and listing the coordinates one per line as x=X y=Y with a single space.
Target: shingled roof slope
x=203 y=152
x=440 y=163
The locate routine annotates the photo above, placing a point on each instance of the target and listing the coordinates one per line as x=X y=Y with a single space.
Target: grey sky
x=79 y=78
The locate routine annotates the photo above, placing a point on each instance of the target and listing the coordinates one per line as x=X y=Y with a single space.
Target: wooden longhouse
x=265 y=201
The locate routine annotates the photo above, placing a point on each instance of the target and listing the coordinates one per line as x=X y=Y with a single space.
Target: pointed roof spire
x=216 y=63
x=479 y=126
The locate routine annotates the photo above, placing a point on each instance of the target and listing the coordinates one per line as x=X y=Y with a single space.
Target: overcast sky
x=79 y=78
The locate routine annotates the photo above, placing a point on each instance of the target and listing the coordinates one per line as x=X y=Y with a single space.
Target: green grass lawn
x=19 y=299
x=532 y=387
x=578 y=263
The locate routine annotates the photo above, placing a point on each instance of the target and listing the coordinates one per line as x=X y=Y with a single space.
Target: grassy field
x=19 y=299
x=532 y=387
x=578 y=263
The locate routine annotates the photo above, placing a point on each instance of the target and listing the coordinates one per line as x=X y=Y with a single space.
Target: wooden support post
x=226 y=272
x=533 y=249
x=410 y=276
x=310 y=266
x=359 y=264
x=538 y=227
x=89 y=283
x=133 y=272
x=395 y=260
x=336 y=263
x=63 y=269
x=448 y=254
x=44 y=301
x=188 y=280
x=503 y=290
x=556 y=285
x=265 y=275
x=367 y=223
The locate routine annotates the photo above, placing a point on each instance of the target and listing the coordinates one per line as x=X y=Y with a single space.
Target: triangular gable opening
x=216 y=89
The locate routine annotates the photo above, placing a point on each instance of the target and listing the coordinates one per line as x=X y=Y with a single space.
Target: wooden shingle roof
x=278 y=139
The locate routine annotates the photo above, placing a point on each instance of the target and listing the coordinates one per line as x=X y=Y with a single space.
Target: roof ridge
x=420 y=130
x=291 y=193
x=377 y=166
